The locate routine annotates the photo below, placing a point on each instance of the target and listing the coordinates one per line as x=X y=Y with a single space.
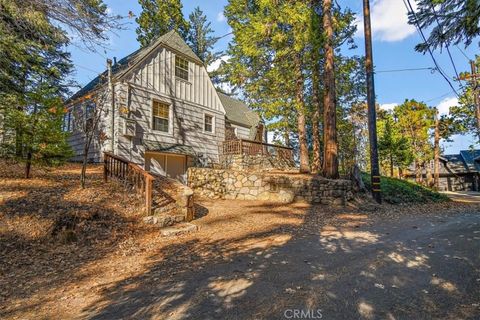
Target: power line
x=410 y=10
x=446 y=45
x=407 y=69
x=439 y=97
x=463 y=52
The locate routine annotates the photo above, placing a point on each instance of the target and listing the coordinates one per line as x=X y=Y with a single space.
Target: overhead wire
x=409 y=7
x=446 y=46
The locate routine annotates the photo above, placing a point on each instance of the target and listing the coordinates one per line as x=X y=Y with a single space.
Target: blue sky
x=393 y=48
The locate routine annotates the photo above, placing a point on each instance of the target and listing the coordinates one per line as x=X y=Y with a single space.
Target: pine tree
x=200 y=38
x=393 y=147
x=451 y=22
x=157 y=18
x=414 y=120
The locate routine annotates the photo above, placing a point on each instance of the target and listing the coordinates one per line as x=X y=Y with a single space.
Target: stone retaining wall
x=254 y=185
x=254 y=162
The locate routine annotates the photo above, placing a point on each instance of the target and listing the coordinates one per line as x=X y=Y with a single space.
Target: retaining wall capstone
x=268 y=186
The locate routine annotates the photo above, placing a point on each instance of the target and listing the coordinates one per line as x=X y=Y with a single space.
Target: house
x=458 y=172
x=158 y=108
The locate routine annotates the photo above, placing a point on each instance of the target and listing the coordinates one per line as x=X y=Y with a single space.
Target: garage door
x=175 y=167
x=172 y=166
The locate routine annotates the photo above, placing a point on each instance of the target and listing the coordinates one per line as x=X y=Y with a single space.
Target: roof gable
x=238 y=112
x=171 y=40
x=469 y=158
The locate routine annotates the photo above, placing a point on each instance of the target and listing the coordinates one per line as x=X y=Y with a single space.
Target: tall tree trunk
x=330 y=161
x=436 y=152
x=391 y=164
x=316 y=165
x=286 y=133
x=428 y=173
x=302 y=137
x=28 y=164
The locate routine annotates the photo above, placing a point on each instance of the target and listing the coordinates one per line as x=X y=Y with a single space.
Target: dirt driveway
x=351 y=266
x=249 y=260
x=464 y=196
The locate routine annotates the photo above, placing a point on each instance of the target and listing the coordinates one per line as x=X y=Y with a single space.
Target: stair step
x=178 y=229
x=164 y=220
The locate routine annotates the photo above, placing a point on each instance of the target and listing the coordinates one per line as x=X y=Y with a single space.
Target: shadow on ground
x=337 y=262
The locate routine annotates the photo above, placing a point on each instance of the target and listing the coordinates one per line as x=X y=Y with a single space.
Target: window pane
x=181 y=68
x=160 y=124
x=208 y=123
x=161 y=110
x=161 y=113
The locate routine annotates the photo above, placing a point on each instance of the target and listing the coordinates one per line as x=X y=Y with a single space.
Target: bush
x=397 y=191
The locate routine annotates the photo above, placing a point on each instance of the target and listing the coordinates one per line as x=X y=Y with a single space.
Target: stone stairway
x=172 y=207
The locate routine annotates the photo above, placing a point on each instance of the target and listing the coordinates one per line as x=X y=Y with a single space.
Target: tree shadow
x=333 y=263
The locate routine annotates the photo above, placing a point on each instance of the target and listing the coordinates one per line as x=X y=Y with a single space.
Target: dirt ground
x=68 y=253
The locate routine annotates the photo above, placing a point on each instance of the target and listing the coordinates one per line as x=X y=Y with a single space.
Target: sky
x=393 y=49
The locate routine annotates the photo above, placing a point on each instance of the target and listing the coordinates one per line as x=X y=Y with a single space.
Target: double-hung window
x=208 y=123
x=89 y=114
x=181 y=68
x=161 y=116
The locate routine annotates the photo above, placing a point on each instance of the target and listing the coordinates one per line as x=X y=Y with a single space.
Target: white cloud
x=216 y=64
x=389 y=21
x=388 y=106
x=221 y=17
x=444 y=105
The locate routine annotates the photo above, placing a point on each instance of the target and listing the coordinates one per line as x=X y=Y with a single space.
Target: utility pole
x=372 y=114
x=474 y=76
x=436 y=152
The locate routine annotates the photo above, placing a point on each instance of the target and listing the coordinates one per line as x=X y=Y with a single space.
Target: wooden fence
x=250 y=147
x=123 y=170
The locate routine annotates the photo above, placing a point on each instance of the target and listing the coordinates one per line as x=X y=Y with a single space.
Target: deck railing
x=250 y=147
x=130 y=173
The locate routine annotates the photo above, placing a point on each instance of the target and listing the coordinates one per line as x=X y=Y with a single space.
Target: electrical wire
x=410 y=10
x=407 y=69
x=446 y=46
x=463 y=52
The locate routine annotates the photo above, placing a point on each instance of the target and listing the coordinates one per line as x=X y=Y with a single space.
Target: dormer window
x=181 y=68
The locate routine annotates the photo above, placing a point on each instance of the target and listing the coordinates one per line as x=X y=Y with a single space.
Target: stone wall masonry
x=268 y=186
x=255 y=162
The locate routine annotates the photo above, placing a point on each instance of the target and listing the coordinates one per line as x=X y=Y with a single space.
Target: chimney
x=114 y=60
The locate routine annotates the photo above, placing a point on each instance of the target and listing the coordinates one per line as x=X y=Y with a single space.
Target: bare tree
x=88 y=117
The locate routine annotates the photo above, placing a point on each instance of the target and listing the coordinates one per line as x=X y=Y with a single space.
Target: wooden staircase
x=167 y=202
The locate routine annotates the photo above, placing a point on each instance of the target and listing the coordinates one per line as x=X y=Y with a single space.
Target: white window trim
x=170 y=118
x=213 y=123
x=175 y=68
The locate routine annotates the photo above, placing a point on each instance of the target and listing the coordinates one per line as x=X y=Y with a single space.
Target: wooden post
x=475 y=94
x=436 y=151
x=105 y=168
x=372 y=115
x=148 y=195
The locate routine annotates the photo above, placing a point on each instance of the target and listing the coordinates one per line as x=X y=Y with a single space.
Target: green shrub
x=397 y=191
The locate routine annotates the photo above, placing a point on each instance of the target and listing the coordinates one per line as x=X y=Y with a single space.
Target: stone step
x=178 y=229
x=171 y=207
x=164 y=220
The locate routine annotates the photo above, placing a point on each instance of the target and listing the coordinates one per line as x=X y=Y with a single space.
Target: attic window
x=181 y=68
